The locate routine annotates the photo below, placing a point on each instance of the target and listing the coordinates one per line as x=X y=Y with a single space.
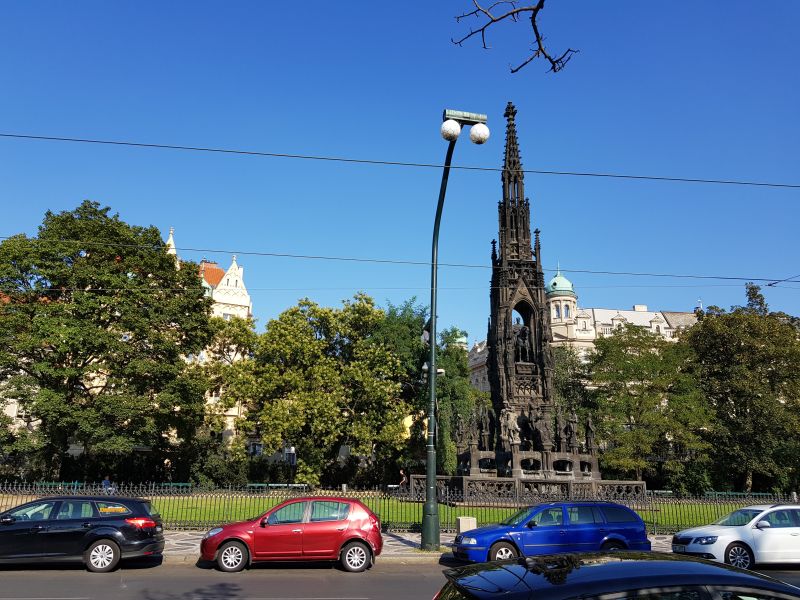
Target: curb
x=445 y=559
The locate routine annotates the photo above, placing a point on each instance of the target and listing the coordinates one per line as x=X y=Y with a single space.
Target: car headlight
x=212 y=532
x=468 y=541
x=706 y=539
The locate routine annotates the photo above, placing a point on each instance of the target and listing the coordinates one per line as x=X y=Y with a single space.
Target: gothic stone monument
x=523 y=436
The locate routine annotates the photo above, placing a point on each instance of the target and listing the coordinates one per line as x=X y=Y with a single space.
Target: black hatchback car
x=97 y=530
x=618 y=575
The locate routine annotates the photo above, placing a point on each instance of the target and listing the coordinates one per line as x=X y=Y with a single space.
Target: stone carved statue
x=484 y=427
x=511 y=427
x=572 y=432
x=590 y=431
x=460 y=429
x=522 y=344
x=543 y=434
x=559 y=431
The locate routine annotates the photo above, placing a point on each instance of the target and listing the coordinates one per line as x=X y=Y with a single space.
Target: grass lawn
x=208 y=510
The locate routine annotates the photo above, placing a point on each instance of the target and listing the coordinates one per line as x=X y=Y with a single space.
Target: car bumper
x=470 y=553
x=208 y=549
x=645 y=545
x=707 y=551
x=143 y=548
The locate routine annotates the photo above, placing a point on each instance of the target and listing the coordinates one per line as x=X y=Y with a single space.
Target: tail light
x=141 y=522
x=374 y=521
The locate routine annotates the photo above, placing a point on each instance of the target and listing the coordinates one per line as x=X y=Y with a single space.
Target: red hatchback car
x=300 y=529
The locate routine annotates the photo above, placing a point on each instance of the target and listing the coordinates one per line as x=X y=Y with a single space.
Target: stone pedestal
x=516 y=461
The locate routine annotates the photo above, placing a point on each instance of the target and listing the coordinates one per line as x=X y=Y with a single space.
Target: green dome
x=560 y=286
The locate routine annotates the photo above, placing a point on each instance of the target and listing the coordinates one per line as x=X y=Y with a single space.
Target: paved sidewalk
x=184 y=547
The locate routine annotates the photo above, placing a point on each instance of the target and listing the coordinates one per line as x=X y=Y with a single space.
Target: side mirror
x=531 y=524
x=265 y=521
x=7 y=520
x=763 y=525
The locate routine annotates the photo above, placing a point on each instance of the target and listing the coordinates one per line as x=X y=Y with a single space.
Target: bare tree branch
x=514 y=13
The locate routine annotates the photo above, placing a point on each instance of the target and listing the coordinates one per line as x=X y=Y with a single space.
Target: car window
x=112 y=509
x=618 y=514
x=325 y=510
x=740 y=593
x=738 y=517
x=796 y=516
x=666 y=593
x=75 y=509
x=779 y=518
x=549 y=517
x=581 y=515
x=291 y=513
x=36 y=511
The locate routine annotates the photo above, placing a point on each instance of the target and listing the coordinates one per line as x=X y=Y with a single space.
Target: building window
x=256 y=449
x=658 y=328
x=558 y=311
x=227 y=316
x=566 y=311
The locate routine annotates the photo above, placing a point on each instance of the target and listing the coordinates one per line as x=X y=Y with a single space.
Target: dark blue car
x=555 y=527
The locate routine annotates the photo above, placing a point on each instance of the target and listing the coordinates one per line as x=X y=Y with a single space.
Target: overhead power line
x=393 y=163
x=88 y=243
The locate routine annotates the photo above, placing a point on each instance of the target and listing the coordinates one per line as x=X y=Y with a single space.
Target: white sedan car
x=763 y=533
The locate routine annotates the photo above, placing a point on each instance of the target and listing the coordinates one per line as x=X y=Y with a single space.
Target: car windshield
x=738 y=517
x=517 y=518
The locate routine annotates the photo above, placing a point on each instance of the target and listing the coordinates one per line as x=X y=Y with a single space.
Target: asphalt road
x=188 y=582
x=148 y=581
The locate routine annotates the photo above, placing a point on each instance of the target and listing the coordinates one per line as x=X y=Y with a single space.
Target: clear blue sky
x=704 y=89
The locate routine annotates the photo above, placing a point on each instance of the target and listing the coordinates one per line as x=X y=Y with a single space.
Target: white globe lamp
x=479 y=133
x=450 y=130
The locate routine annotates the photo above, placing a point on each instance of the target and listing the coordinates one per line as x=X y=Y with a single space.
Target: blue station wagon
x=555 y=527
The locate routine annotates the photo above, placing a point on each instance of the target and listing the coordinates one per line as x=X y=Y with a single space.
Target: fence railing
x=184 y=506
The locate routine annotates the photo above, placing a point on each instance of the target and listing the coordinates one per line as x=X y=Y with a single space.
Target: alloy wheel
x=356 y=556
x=504 y=553
x=739 y=557
x=232 y=557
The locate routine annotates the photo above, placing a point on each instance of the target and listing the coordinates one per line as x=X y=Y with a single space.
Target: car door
x=21 y=529
x=281 y=533
x=545 y=533
x=781 y=540
x=327 y=524
x=67 y=530
x=585 y=528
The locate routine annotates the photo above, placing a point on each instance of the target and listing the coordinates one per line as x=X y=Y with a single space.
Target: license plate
x=678 y=548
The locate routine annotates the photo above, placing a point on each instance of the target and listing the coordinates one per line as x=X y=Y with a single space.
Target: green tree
x=569 y=381
x=93 y=333
x=748 y=361
x=318 y=381
x=650 y=409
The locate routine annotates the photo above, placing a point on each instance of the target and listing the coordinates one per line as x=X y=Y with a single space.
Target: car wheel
x=502 y=551
x=355 y=557
x=232 y=557
x=102 y=556
x=739 y=555
x=612 y=545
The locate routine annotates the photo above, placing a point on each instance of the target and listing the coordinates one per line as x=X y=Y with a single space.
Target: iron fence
x=184 y=506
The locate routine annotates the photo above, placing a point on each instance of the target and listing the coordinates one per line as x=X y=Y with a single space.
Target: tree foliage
x=748 y=361
x=320 y=382
x=650 y=409
x=92 y=335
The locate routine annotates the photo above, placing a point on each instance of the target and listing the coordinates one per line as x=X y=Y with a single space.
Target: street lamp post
x=479 y=133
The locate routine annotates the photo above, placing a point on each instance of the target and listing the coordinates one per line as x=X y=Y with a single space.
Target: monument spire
x=514 y=210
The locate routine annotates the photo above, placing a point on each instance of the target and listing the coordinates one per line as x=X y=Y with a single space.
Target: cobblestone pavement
x=184 y=546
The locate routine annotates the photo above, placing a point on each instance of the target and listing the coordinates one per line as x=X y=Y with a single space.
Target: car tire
x=612 y=545
x=101 y=556
x=232 y=557
x=739 y=555
x=355 y=557
x=502 y=551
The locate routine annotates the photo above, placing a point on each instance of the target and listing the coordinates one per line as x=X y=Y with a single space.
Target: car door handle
x=36 y=528
x=562 y=532
x=87 y=525
x=795 y=534
x=297 y=531
x=343 y=528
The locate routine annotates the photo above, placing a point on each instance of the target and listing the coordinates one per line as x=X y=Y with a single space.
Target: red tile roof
x=212 y=273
